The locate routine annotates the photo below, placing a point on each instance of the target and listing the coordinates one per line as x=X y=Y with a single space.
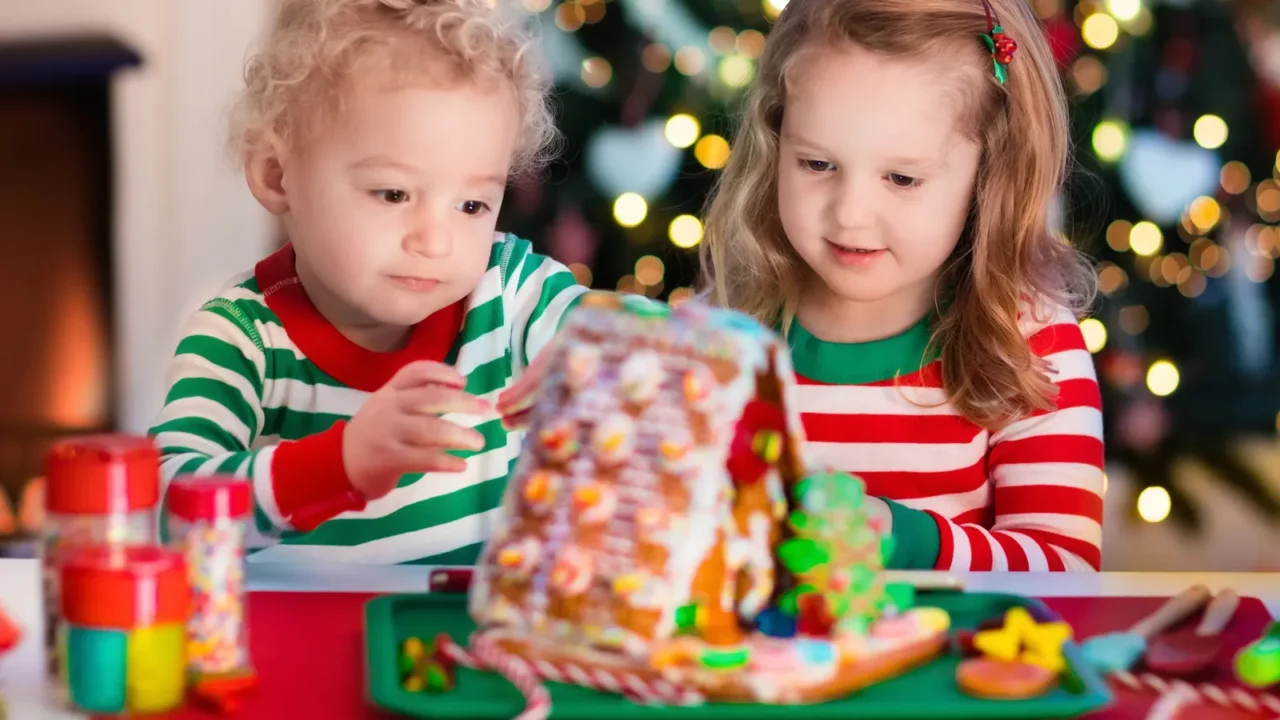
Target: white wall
x=184 y=220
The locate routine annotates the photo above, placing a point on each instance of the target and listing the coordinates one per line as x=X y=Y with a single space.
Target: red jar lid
x=100 y=474
x=124 y=587
x=208 y=498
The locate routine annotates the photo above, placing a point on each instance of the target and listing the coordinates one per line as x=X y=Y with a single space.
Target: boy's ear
x=264 y=171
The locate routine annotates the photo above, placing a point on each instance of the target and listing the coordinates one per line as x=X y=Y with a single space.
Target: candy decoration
x=651 y=522
x=813 y=619
x=1258 y=663
x=10 y=633
x=697 y=386
x=425 y=668
x=573 y=572
x=720 y=658
x=487 y=654
x=1003 y=680
x=520 y=558
x=540 y=491
x=559 y=441
x=640 y=377
x=674 y=453
x=1215 y=694
x=612 y=439
x=775 y=623
x=582 y=365
x=1024 y=640
x=594 y=503
x=746 y=465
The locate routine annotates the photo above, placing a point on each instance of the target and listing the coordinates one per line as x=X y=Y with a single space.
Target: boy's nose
x=433 y=243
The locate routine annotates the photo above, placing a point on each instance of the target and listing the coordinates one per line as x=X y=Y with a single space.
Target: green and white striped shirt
x=261 y=386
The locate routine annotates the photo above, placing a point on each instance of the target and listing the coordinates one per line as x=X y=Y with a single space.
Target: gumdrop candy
x=813 y=618
x=775 y=623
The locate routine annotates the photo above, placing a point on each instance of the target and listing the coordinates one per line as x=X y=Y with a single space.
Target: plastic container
x=208 y=521
x=99 y=489
x=124 y=610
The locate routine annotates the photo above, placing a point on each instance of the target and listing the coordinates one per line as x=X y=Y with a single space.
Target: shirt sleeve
x=1047 y=475
x=212 y=422
x=538 y=293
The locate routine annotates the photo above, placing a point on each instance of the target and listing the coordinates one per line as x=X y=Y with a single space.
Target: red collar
x=330 y=350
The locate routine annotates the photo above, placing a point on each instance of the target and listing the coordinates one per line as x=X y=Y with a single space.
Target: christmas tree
x=1176 y=121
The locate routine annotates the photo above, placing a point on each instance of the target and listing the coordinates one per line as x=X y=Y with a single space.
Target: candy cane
x=486 y=654
x=1225 y=697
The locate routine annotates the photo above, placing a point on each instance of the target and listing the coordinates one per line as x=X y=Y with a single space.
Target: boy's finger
x=432 y=460
x=425 y=372
x=433 y=432
x=441 y=400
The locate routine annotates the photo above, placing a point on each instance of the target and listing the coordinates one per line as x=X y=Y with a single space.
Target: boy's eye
x=473 y=207
x=903 y=181
x=816 y=165
x=395 y=197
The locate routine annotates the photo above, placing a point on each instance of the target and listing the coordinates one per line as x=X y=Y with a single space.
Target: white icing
x=581 y=365
x=640 y=377
x=595 y=503
x=612 y=439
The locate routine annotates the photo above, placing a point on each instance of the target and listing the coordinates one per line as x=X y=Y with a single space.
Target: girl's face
x=874 y=180
x=392 y=205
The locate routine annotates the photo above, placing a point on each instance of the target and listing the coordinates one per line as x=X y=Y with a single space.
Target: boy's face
x=392 y=204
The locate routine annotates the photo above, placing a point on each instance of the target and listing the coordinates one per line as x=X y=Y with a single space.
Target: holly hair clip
x=1001 y=46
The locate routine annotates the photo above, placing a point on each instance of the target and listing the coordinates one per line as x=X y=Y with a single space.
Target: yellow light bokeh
x=629 y=209
x=1154 y=504
x=1124 y=10
x=773 y=8
x=736 y=71
x=1204 y=212
x=679 y=295
x=722 y=39
x=536 y=6
x=685 y=231
x=581 y=273
x=1145 y=238
x=1235 y=177
x=712 y=151
x=650 y=270
x=750 y=43
x=1162 y=378
x=1210 y=132
x=682 y=130
x=1100 y=31
x=570 y=16
x=1118 y=235
x=1110 y=138
x=1095 y=334
x=1111 y=278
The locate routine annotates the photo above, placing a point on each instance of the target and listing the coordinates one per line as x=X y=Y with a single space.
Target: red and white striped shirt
x=1025 y=497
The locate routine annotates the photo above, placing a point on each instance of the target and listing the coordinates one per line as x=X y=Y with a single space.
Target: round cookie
x=1002 y=680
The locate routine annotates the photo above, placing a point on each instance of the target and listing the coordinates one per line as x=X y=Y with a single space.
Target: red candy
x=813 y=617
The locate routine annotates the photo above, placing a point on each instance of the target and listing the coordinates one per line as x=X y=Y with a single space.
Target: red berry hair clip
x=1000 y=45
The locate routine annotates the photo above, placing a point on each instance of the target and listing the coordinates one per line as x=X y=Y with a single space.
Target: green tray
x=927 y=692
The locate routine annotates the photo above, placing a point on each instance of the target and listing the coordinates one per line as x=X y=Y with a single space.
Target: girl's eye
x=473 y=207
x=394 y=197
x=817 y=166
x=903 y=181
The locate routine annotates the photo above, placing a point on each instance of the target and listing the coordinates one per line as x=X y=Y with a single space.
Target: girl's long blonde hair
x=1007 y=260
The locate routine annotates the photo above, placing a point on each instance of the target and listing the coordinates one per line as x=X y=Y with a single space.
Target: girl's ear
x=264 y=171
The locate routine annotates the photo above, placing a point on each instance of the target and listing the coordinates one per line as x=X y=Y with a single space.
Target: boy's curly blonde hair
x=1006 y=255
x=312 y=51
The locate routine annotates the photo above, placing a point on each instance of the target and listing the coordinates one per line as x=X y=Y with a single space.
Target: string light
x=1134 y=319
x=690 y=61
x=1095 y=334
x=570 y=16
x=1089 y=74
x=1154 y=504
x=537 y=6
x=629 y=209
x=682 y=130
x=656 y=58
x=1204 y=212
x=712 y=151
x=650 y=270
x=1145 y=238
x=722 y=40
x=1124 y=10
x=1235 y=177
x=685 y=231
x=1110 y=137
x=679 y=295
x=581 y=273
x=596 y=72
x=750 y=43
x=1100 y=31
x=1162 y=378
x=736 y=71
x=773 y=8
x=1210 y=132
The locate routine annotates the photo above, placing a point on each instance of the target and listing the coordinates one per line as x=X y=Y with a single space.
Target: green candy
x=725 y=659
x=900 y=595
x=687 y=617
x=802 y=554
x=1258 y=664
x=787 y=604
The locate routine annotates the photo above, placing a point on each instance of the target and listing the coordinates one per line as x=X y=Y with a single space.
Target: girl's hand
x=399 y=428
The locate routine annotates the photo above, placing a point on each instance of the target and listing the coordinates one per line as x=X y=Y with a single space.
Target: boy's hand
x=516 y=402
x=399 y=428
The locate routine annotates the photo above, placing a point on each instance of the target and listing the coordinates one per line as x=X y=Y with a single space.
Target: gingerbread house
x=657 y=501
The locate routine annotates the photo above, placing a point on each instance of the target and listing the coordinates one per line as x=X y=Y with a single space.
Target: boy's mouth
x=415 y=284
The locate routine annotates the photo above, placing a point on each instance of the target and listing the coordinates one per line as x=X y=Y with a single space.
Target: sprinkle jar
x=207 y=520
x=99 y=489
x=124 y=611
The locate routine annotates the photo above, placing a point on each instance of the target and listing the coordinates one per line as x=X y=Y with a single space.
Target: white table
x=21 y=672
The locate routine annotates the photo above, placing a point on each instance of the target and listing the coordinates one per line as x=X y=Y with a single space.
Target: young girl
x=886 y=207
x=383 y=133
